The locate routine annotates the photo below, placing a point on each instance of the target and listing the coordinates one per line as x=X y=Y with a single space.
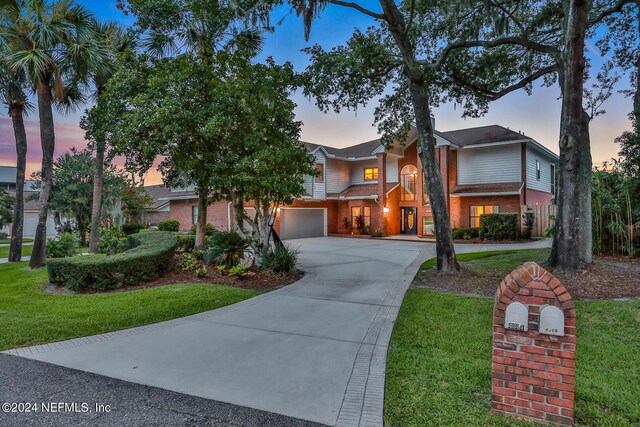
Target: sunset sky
x=537 y=115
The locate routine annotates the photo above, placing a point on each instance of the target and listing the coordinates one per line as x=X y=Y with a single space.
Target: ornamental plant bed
x=606 y=278
x=256 y=279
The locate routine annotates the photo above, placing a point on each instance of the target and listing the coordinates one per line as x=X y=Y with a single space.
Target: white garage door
x=296 y=223
x=31 y=222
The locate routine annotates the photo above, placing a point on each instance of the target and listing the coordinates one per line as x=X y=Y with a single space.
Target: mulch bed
x=606 y=278
x=257 y=279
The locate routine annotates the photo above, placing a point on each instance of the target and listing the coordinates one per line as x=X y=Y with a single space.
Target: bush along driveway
x=439 y=363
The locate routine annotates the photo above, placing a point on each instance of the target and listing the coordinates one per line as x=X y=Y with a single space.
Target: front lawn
x=30 y=316
x=439 y=363
x=24 y=240
x=26 y=251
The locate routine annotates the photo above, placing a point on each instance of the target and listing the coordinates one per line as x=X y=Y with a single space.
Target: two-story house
x=485 y=169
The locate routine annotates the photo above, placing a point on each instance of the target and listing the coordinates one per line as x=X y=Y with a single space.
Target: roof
x=482 y=135
x=360 y=190
x=8 y=174
x=478 y=189
x=364 y=149
x=157 y=192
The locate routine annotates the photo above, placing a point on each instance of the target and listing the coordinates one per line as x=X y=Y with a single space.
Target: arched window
x=408 y=182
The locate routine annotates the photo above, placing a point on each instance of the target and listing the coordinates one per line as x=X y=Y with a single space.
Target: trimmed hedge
x=169 y=225
x=499 y=226
x=465 y=233
x=132 y=228
x=150 y=256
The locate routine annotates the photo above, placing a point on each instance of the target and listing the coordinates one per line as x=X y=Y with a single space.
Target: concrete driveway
x=314 y=350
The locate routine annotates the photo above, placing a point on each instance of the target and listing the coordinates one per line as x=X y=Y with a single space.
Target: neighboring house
x=485 y=169
x=8 y=178
x=159 y=209
x=8 y=182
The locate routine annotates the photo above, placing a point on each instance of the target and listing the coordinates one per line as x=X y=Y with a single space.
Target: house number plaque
x=551 y=321
x=516 y=317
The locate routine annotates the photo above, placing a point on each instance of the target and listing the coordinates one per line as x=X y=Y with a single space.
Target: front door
x=408 y=221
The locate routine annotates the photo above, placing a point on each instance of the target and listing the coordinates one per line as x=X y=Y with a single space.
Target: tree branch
x=357 y=7
x=521 y=41
x=493 y=96
x=608 y=12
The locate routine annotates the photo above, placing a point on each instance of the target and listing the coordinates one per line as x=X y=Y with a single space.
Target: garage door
x=301 y=223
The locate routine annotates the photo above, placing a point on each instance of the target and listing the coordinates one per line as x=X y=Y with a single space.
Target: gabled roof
x=482 y=135
x=157 y=193
x=365 y=149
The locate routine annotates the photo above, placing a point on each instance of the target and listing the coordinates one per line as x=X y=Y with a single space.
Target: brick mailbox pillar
x=534 y=344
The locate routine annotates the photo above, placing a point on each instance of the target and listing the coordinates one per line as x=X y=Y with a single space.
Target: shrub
x=186 y=242
x=132 y=228
x=112 y=241
x=62 y=246
x=465 y=233
x=150 y=257
x=187 y=261
x=201 y=272
x=281 y=259
x=226 y=247
x=210 y=229
x=169 y=225
x=528 y=219
x=238 y=271
x=499 y=226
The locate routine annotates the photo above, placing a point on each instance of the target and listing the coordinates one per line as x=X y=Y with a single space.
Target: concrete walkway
x=315 y=350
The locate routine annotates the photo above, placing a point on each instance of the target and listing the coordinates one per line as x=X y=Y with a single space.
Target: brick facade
x=533 y=374
x=460 y=207
x=217 y=213
x=536 y=197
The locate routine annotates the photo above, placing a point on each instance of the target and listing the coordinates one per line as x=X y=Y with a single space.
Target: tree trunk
x=96 y=207
x=572 y=242
x=48 y=142
x=445 y=251
x=201 y=228
x=17 y=225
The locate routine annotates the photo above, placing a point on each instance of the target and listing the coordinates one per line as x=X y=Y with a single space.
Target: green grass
x=30 y=316
x=499 y=260
x=439 y=362
x=26 y=251
x=24 y=240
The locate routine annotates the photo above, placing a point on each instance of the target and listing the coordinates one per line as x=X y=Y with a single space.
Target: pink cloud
x=68 y=135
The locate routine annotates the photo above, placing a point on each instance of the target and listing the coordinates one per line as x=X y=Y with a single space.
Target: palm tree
x=12 y=94
x=113 y=39
x=51 y=41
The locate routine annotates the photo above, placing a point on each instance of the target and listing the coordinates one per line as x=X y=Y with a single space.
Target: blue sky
x=536 y=115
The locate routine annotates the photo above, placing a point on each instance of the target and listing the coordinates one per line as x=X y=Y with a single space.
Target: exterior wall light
x=278 y=210
x=385 y=210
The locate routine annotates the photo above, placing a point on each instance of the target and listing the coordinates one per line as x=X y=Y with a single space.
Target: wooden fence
x=544 y=218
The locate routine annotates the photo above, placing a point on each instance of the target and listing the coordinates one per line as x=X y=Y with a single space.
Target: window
x=319 y=172
x=538 y=170
x=355 y=215
x=370 y=174
x=427 y=225
x=366 y=215
x=476 y=211
x=194 y=214
x=408 y=177
x=425 y=196
x=553 y=180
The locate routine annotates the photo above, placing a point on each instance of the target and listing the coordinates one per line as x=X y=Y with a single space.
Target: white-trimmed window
x=194 y=214
x=370 y=174
x=319 y=172
x=538 y=170
x=476 y=210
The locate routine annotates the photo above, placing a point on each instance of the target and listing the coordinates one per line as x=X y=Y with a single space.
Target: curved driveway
x=314 y=350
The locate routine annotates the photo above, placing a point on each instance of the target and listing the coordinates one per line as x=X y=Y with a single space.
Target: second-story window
x=370 y=174
x=538 y=170
x=319 y=172
x=553 y=180
x=408 y=183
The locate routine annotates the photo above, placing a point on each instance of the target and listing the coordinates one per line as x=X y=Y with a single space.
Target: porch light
x=385 y=210
x=278 y=210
